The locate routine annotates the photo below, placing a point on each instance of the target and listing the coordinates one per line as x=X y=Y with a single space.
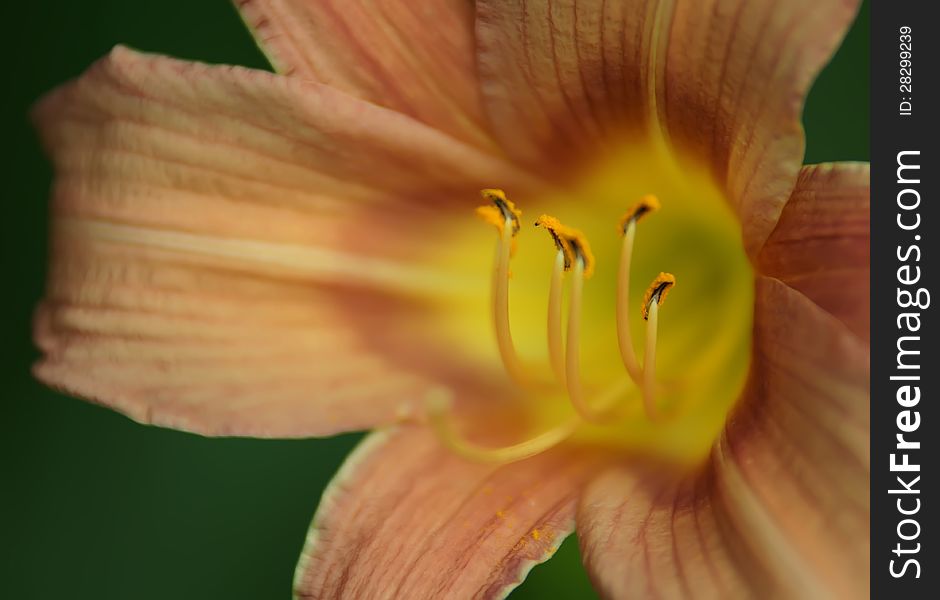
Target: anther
x=560 y=235
x=657 y=292
x=439 y=403
x=499 y=211
x=645 y=206
x=572 y=242
x=652 y=300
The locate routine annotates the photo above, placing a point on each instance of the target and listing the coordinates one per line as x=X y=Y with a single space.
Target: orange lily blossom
x=236 y=252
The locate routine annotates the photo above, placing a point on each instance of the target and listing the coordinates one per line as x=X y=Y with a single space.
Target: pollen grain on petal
x=646 y=205
x=657 y=291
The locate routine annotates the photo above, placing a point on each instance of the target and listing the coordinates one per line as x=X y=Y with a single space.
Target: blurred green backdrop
x=96 y=506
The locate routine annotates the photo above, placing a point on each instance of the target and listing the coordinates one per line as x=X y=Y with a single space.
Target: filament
x=556 y=351
x=649 y=362
x=572 y=356
x=439 y=402
x=624 y=338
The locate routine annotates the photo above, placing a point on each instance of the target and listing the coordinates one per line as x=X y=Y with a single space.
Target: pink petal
x=235 y=252
x=724 y=80
x=415 y=57
x=782 y=509
x=821 y=243
x=406 y=518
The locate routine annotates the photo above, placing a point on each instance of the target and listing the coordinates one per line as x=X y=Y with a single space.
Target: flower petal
x=233 y=252
x=406 y=518
x=415 y=57
x=721 y=79
x=782 y=509
x=821 y=243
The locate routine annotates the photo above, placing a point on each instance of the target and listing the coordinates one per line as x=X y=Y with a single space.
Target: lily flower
x=237 y=252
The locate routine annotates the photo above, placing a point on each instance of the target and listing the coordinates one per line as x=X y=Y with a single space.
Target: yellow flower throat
x=575 y=353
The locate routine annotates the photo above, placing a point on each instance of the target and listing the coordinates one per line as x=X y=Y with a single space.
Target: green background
x=96 y=506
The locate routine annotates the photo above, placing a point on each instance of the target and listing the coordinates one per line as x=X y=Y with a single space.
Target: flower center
x=588 y=382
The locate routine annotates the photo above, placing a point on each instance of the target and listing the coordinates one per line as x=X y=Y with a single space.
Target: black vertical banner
x=905 y=437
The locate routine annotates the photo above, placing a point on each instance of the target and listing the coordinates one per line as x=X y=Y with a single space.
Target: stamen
x=655 y=295
x=439 y=403
x=564 y=258
x=646 y=205
x=573 y=248
x=505 y=217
